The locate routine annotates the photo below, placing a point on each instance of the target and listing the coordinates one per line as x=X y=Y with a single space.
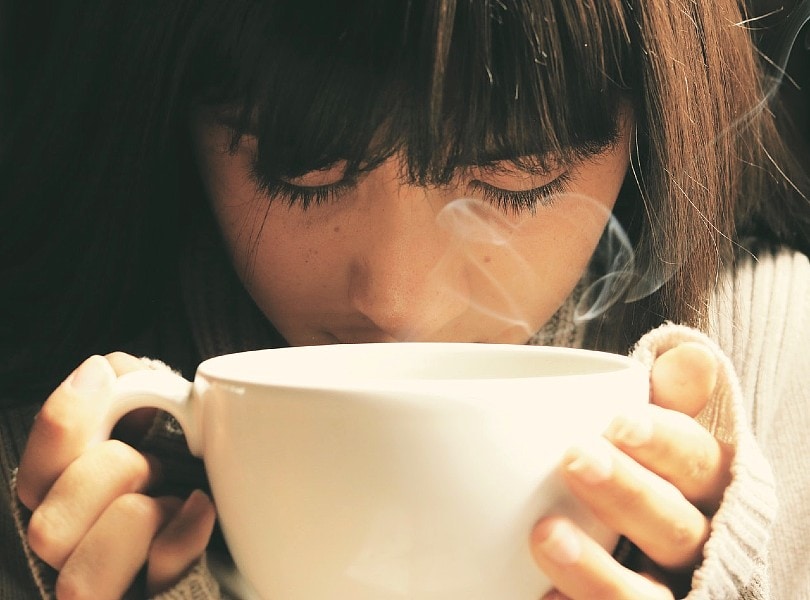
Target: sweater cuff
x=44 y=576
x=735 y=556
x=198 y=584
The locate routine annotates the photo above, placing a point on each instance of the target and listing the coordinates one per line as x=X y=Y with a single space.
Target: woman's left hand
x=657 y=477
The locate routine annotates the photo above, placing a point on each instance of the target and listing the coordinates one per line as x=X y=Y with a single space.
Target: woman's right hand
x=92 y=517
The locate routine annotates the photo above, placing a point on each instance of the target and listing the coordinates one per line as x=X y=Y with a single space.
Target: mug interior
x=408 y=361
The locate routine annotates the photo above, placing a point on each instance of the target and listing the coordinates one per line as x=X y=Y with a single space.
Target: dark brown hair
x=445 y=80
x=101 y=134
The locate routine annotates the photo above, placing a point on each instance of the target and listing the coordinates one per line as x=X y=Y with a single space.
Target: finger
x=109 y=557
x=581 y=569
x=632 y=500
x=678 y=449
x=180 y=543
x=122 y=363
x=82 y=493
x=63 y=428
x=683 y=378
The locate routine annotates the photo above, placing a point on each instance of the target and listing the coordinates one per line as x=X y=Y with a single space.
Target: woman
x=225 y=176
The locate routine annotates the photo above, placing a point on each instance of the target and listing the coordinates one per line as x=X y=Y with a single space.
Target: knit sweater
x=760 y=541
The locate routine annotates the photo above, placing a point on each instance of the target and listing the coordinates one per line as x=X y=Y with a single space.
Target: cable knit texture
x=734 y=556
x=758 y=330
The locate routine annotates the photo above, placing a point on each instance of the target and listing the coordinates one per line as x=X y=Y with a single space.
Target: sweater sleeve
x=761 y=318
x=22 y=574
x=735 y=556
x=197 y=584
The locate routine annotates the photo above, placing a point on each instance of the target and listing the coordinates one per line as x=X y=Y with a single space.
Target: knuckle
x=135 y=508
x=119 y=465
x=681 y=536
x=684 y=543
x=27 y=492
x=129 y=462
x=55 y=421
x=44 y=537
x=701 y=465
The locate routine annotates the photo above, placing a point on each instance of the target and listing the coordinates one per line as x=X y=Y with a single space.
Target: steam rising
x=616 y=275
x=476 y=229
x=473 y=225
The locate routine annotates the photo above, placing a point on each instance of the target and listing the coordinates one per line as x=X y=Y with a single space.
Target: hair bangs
x=444 y=84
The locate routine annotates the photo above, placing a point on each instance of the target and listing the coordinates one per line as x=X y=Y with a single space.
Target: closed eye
x=296 y=192
x=299 y=195
x=518 y=201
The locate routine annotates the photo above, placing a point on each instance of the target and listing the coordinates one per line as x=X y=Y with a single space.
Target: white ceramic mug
x=391 y=471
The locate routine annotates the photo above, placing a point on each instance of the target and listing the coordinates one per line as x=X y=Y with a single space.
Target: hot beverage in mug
x=391 y=471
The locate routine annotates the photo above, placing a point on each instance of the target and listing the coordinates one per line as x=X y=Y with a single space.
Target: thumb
x=63 y=428
x=683 y=378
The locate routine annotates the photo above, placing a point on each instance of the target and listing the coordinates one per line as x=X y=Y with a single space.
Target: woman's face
x=488 y=258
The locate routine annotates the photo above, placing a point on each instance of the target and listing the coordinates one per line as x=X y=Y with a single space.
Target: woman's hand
x=657 y=477
x=92 y=518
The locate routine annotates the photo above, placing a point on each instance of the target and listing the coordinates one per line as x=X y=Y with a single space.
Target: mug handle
x=159 y=389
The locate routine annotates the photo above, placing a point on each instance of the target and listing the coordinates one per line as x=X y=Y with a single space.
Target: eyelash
x=508 y=201
x=522 y=200
x=305 y=197
x=295 y=195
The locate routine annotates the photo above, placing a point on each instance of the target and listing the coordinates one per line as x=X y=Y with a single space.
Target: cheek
x=287 y=270
x=277 y=261
x=554 y=254
x=298 y=275
x=551 y=251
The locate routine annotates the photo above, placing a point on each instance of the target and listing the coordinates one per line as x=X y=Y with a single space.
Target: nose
x=404 y=279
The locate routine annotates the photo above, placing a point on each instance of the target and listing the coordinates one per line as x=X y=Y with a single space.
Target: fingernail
x=93 y=375
x=561 y=544
x=630 y=430
x=589 y=464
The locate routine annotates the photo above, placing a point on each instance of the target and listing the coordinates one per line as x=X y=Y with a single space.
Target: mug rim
x=218 y=368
